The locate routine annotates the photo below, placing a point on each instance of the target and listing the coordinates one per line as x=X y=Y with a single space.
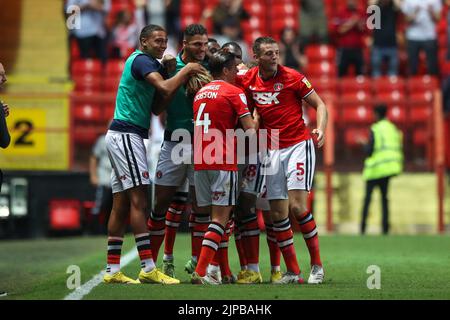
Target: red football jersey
x=279 y=103
x=217 y=109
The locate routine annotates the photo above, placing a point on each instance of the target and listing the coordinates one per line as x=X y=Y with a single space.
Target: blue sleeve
x=143 y=65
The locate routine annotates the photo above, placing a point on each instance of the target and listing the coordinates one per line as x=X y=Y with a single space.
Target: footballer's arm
x=248 y=122
x=168 y=87
x=322 y=117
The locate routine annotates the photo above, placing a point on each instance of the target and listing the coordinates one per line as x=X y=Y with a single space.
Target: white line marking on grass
x=86 y=288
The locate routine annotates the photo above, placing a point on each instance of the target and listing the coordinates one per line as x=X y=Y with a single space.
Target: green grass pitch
x=412 y=267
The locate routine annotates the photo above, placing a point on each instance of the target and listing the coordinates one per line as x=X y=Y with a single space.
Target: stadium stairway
x=34 y=46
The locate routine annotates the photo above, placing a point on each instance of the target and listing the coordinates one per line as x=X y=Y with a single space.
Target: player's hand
x=241 y=66
x=5 y=109
x=320 y=137
x=170 y=63
x=256 y=115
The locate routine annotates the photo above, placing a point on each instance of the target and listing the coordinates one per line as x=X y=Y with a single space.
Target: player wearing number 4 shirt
x=218 y=107
x=277 y=94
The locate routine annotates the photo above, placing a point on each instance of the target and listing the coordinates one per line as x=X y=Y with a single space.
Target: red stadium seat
x=420 y=137
x=356 y=97
x=111 y=84
x=352 y=136
x=354 y=84
x=108 y=111
x=190 y=8
x=318 y=69
x=320 y=53
x=88 y=112
x=87 y=135
x=419 y=114
x=397 y=114
x=87 y=83
x=322 y=84
x=87 y=66
x=388 y=84
x=420 y=83
x=114 y=67
x=357 y=114
x=390 y=97
x=421 y=98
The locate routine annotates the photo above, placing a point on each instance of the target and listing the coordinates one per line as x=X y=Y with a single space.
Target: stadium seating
x=354 y=84
x=87 y=66
x=353 y=136
x=356 y=115
x=88 y=113
x=87 y=83
x=316 y=53
x=388 y=84
x=323 y=68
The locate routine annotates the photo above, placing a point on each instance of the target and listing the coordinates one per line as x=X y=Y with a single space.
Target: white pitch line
x=86 y=288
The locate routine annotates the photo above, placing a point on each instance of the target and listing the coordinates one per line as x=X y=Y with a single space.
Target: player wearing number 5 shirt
x=277 y=93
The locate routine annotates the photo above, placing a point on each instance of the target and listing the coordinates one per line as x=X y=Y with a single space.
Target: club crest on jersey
x=159 y=174
x=243 y=98
x=266 y=97
x=306 y=82
x=278 y=86
x=145 y=174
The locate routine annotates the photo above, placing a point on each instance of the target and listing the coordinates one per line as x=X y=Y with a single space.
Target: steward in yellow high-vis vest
x=385 y=159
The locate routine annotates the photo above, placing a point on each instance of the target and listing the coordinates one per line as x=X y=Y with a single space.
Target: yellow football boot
x=251 y=277
x=156 y=276
x=275 y=276
x=118 y=277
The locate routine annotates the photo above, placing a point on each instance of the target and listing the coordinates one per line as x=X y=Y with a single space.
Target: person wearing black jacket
x=5 y=138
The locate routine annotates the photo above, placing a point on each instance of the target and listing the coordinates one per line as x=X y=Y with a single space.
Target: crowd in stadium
x=406 y=27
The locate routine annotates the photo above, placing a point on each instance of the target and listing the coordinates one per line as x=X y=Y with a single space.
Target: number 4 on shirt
x=205 y=122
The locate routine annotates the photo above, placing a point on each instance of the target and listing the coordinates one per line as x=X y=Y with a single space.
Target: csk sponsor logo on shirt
x=265 y=98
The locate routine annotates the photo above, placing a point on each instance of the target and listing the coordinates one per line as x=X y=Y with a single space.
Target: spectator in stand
x=172 y=13
x=124 y=34
x=92 y=35
x=385 y=38
x=290 y=50
x=313 y=22
x=224 y=11
x=350 y=27
x=231 y=32
x=422 y=17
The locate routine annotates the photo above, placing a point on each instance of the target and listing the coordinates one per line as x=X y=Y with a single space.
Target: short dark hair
x=148 y=30
x=212 y=40
x=380 y=110
x=194 y=29
x=219 y=60
x=232 y=44
x=259 y=41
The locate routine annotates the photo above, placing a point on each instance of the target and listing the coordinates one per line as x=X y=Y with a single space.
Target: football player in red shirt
x=277 y=93
x=218 y=107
